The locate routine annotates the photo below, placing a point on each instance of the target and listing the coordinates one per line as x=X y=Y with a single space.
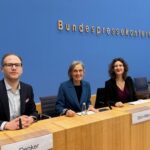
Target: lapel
x=73 y=95
x=4 y=99
x=22 y=98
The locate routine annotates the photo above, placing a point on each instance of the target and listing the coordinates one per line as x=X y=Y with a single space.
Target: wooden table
x=109 y=130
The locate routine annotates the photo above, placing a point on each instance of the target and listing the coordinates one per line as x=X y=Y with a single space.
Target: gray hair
x=72 y=66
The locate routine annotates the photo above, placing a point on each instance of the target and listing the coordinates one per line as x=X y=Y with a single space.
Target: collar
x=8 y=87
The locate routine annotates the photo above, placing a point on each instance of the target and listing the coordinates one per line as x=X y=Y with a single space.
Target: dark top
x=124 y=95
x=67 y=97
x=26 y=101
x=78 y=91
x=111 y=91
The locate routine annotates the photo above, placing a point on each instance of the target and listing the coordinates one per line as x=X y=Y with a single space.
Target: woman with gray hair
x=74 y=92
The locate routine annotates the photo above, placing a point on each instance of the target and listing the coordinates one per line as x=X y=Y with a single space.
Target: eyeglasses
x=10 y=65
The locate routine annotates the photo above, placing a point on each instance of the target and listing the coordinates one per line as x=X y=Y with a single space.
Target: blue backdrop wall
x=29 y=28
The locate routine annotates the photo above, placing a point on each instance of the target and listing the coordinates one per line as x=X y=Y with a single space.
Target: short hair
x=72 y=66
x=111 y=68
x=9 y=54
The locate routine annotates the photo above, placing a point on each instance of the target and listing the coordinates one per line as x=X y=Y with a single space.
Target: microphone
x=109 y=105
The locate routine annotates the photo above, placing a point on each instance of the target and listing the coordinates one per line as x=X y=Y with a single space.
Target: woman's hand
x=70 y=113
x=119 y=104
x=91 y=108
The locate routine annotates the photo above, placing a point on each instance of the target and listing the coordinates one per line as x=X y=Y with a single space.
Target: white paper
x=87 y=113
x=140 y=101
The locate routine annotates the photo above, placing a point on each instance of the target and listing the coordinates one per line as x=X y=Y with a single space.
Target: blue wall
x=29 y=28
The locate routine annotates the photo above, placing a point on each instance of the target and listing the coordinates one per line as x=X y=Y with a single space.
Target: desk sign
x=44 y=142
x=140 y=116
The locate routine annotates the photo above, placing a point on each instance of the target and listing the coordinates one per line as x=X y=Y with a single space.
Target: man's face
x=12 y=68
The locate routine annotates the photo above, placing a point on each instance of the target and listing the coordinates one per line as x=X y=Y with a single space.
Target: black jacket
x=26 y=101
x=111 y=90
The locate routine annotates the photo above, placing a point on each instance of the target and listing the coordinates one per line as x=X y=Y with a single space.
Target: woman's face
x=118 y=68
x=77 y=73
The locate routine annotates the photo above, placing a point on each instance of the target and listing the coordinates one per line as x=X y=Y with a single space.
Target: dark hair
x=8 y=54
x=72 y=66
x=111 y=68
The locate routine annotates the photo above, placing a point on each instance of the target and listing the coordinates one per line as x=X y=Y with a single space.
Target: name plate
x=44 y=142
x=140 y=116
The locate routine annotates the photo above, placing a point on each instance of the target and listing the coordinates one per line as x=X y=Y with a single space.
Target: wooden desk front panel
x=140 y=136
x=102 y=131
x=111 y=134
x=140 y=133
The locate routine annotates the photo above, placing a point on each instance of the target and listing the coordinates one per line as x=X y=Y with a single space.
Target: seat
x=48 y=105
x=100 y=98
x=141 y=87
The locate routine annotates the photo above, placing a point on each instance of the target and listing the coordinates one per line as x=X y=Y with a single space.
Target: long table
x=108 y=130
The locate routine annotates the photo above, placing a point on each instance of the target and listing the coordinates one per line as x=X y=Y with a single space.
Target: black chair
x=48 y=106
x=100 y=98
x=141 y=87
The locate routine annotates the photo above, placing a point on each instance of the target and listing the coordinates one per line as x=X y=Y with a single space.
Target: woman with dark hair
x=119 y=88
x=74 y=92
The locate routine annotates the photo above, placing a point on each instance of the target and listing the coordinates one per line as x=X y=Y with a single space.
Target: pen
x=20 y=123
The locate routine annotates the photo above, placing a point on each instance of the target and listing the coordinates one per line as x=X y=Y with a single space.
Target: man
x=17 y=107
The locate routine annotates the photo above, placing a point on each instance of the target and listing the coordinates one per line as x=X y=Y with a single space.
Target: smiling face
x=77 y=73
x=119 y=68
x=12 y=68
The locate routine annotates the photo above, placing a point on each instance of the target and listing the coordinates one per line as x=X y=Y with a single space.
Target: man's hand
x=26 y=121
x=12 y=125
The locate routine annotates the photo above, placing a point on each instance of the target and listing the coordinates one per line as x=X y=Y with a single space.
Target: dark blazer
x=67 y=97
x=27 y=103
x=111 y=90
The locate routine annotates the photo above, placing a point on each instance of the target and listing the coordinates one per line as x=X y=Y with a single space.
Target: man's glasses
x=17 y=65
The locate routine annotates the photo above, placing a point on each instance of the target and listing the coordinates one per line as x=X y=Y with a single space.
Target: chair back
x=92 y=99
x=48 y=104
x=141 y=84
x=100 y=98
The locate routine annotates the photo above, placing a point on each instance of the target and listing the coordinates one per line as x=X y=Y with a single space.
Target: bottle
x=84 y=110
